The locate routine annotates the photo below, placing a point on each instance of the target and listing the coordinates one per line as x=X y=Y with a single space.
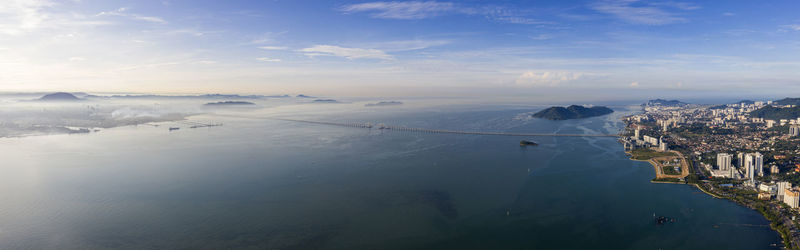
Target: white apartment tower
x=794 y=130
x=724 y=161
x=753 y=163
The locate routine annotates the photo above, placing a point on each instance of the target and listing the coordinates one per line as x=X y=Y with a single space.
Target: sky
x=605 y=48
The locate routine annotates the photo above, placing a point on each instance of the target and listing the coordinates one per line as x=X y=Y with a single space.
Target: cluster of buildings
x=751 y=164
x=746 y=148
x=782 y=191
x=640 y=141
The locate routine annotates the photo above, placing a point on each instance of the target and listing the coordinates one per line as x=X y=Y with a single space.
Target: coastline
x=774 y=221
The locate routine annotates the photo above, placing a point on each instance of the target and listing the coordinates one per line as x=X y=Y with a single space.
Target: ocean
x=261 y=183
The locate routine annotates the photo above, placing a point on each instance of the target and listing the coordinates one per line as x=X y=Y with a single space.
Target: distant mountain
x=229 y=103
x=304 y=96
x=788 y=101
x=662 y=102
x=59 y=96
x=326 y=101
x=389 y=103
x=773 y=113
x=572 y=112
x=206 y=96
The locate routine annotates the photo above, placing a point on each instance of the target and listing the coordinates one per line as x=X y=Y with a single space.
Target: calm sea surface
x=261 y=183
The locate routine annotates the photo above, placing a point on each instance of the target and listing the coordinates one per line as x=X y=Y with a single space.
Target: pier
x=382 y=126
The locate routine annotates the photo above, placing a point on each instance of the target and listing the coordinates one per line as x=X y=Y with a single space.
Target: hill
x=59 y=96
x=572 y=112
x=773 y=113
x=788 y=101
x=662 y=102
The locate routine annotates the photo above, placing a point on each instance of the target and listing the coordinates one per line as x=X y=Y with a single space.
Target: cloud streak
x=401 y=10
x=123 y=13
x=636 y=12
x=349 y=53
x=415 y=10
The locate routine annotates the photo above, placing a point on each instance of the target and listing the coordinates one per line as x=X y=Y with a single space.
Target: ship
x=173 y=128
x=527 y=143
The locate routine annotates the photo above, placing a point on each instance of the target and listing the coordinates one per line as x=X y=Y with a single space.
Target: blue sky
x=364 y=48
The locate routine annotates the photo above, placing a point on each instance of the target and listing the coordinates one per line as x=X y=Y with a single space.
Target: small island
x=326 y=101
x=59 y=96
x=572 y=112
x=384 y=103
x=229 y=103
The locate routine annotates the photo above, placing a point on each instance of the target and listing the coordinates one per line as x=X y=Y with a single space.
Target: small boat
x=527 y=143
x=173 y=128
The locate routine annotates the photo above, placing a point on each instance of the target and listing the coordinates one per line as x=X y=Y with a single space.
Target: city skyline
x=581 y=49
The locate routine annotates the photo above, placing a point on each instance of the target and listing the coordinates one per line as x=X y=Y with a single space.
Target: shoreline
x=785 y=236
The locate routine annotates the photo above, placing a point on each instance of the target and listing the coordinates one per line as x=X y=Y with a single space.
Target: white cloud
x=123 y=13
x=349 y=53
x=795 y=27
x=546 y=78
x=17 y=16
x=634 y=11
x=76 y=59
x=273 y=48
x=635 y=84
x=407 y=45
x=401 y=10
x=267 y=59
x=413 y=10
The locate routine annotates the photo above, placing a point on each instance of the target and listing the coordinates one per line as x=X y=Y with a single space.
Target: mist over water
x=256 y=182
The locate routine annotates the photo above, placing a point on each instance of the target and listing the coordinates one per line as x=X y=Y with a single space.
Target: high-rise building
x=740 y=160
x=774 y=170
x=758 y=162
x=723 y=161
x=782 y=186
x=636 y=132
x=794 y=130
x=791 y=197
x=753 y=164
x=749 y=167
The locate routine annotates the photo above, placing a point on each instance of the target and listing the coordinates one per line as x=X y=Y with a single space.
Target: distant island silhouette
x=59 y=96
x=384 y=103
x=572 y=112
x=229 y=103
x=326 y=101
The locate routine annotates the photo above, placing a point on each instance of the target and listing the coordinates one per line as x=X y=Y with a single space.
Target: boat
x=173 y=128
x=527 y=143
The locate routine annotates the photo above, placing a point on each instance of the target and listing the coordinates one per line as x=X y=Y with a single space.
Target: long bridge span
x=437 y=131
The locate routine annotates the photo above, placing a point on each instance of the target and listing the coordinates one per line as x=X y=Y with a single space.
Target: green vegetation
x=676 y=180
x=662 y=102
x=773 y=113
x=670 y=170
x=700 y=129
x=644 y=154
x=788 y=101
x=572 y=112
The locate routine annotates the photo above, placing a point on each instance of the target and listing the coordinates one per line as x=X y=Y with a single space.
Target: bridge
x=382 y=126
